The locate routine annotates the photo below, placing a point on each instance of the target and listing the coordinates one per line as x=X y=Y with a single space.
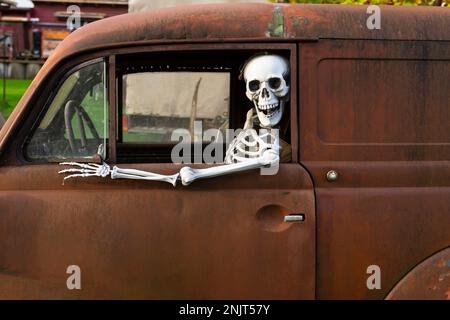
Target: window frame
x=45 y=91
x=160 y=152
x=271 y=46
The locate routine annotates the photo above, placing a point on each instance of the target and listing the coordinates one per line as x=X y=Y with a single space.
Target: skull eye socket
x=274 y=83
x=253 y=85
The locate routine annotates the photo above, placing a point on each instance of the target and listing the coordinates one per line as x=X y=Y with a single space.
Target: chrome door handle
x=294 y=217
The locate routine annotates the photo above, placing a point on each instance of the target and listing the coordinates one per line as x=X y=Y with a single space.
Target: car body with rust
x=369 y=171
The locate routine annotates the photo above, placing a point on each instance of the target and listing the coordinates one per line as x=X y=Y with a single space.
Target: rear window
x=157 y=103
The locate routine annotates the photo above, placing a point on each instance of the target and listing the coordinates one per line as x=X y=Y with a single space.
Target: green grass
x=14 y=91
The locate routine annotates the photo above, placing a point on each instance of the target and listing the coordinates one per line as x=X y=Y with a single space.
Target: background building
x=31 y=30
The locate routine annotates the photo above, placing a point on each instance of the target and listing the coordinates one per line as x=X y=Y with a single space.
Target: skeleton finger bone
x=85 y=170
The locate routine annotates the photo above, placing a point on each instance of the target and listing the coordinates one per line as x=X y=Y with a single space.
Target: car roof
x=254 y=22
x=260 y=21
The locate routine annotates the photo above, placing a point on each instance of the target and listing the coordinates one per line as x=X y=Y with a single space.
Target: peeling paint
x=432 y=274
x=276 y=27
x=298 y=22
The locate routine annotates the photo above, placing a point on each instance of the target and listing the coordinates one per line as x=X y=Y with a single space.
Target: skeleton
x=265 y=77
x=104 y=170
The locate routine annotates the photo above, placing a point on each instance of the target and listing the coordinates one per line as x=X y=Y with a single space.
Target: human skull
x=265 y=78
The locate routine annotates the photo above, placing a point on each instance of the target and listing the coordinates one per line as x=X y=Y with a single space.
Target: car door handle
x=298 y=217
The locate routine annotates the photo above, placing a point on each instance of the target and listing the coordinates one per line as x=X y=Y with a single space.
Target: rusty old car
x=363 y=197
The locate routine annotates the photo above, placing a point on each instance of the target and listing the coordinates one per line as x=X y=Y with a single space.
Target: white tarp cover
x=171 y=94
x=141 y=5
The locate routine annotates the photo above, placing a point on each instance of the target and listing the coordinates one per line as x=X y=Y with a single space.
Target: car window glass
x=75 y=123
x=157 y=103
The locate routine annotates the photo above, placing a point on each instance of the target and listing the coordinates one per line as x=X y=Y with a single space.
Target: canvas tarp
x=171 y=94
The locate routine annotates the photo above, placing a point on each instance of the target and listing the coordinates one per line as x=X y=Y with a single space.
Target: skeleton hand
x=85 y=170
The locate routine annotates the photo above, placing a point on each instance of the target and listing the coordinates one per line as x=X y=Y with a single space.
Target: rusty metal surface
x=390 y=205
x=135 y=239
x=393 y=228
x=251 y=21
x=255 y=21
x=381 y=115
x=430 y=280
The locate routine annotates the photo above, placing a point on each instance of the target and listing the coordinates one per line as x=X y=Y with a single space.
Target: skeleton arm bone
x=238 y=159
x=118 y=173
x=104 y=170
x=189 y=175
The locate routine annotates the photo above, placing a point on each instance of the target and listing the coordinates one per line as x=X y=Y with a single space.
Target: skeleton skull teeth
x=270 y=110
x=268 y=107
x=267 y=88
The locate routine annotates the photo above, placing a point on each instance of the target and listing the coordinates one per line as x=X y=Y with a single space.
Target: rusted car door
x=376 y=112
x=223 y=238
x=134 y=239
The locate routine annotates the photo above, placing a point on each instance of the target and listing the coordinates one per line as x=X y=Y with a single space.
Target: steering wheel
x=71 y=108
